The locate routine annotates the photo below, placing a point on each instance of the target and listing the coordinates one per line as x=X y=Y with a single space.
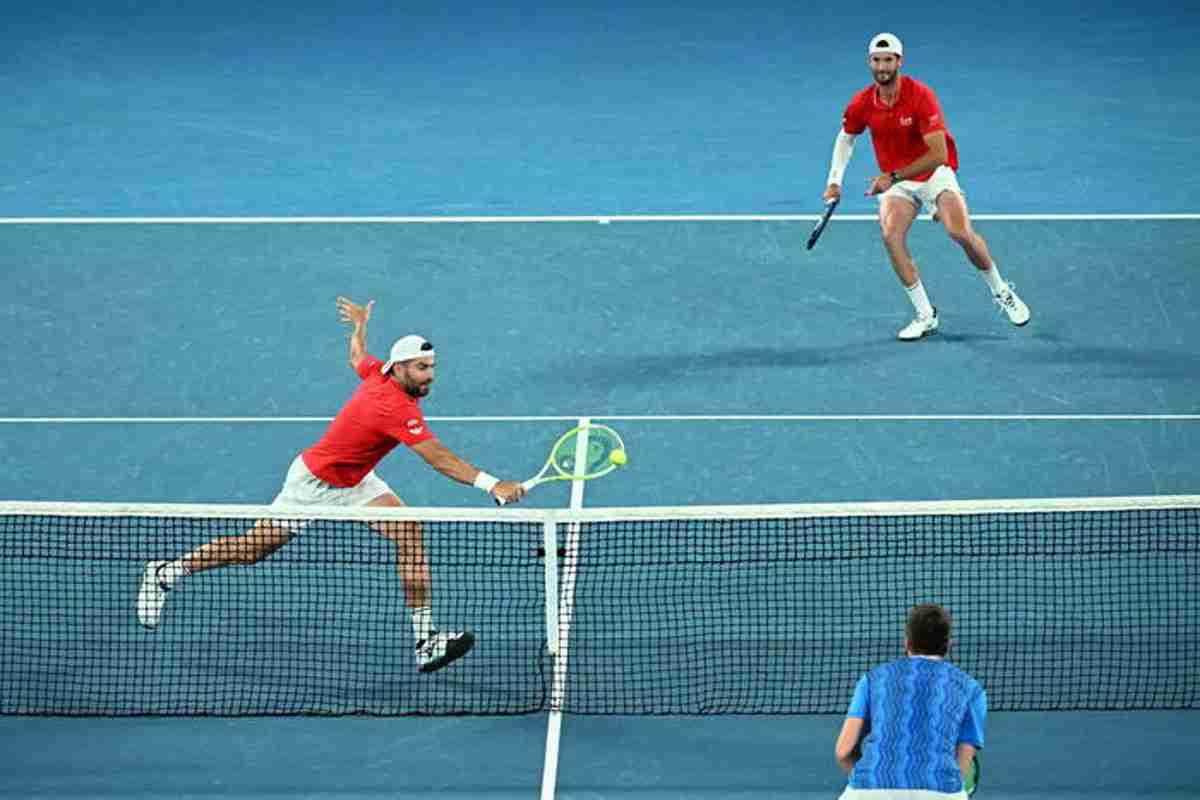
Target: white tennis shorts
x=926 y=193
x=302 y=488
x=900 y=794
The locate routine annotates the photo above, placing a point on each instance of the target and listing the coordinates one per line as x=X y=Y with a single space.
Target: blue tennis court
x=168 y=301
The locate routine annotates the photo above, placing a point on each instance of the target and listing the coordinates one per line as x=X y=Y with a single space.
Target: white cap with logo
x=886 y=43
x=405 y=349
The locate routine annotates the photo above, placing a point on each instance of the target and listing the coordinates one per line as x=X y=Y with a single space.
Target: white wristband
x=486 y=482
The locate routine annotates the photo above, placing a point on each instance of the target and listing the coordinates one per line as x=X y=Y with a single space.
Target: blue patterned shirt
x=917 y=711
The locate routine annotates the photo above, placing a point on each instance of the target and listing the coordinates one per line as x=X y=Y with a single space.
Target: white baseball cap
x=407 y=348
x=886 y=43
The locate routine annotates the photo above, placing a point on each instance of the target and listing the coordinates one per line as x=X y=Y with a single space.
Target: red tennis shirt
x=377 y=417
x=898 y=132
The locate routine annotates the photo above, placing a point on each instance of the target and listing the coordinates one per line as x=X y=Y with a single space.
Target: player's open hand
x=349 y=311
x=508 y=491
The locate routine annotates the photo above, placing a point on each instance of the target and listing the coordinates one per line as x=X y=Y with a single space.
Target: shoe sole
x=455 y=650
x=918 y=338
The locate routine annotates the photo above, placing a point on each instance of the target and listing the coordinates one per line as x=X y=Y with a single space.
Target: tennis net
x=1067 y=604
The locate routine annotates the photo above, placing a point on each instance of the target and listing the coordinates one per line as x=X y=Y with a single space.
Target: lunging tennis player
x=339 y=470
x=918 y=159
x=914 y=724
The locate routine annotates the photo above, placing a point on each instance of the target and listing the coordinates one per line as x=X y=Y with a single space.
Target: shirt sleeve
x=853 y=120
x=972 y=724
x=409 y=428
x=929 y=114
x=859 y=703
x=367 y=366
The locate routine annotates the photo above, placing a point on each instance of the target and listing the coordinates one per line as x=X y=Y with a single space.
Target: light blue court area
x=741 y=368
x=738 y=368
x=520 y=107
x=189 y=362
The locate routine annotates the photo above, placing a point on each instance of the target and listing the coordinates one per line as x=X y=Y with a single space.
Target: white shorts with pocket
x=302 y=488
x=925 y=193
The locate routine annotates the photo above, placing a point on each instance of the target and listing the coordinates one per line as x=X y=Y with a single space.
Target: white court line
x=566 y=610
x=629 y=418
x=603 y=219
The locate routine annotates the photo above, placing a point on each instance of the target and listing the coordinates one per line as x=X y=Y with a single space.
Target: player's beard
x=417 y=389
x=885 y=77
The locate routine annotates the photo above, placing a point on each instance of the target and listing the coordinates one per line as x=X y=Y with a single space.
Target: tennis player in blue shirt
x=914 y=724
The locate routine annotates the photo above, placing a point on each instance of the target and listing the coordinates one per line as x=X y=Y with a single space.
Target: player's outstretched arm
x=356 y=315
x=441 y=458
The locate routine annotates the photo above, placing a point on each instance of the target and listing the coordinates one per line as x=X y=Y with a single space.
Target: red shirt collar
x=899 y=90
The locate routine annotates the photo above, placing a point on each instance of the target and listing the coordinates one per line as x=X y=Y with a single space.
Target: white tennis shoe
x=442 y=649
x=920 y=327
x=1012 y=306
x=152 y=595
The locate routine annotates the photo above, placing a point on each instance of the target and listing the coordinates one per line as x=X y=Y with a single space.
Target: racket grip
x=526 y=485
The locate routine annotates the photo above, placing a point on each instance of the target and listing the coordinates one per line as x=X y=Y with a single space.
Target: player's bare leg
x=434 y=649
x=253 y=546
x=411 y=563
x=160 y=577
x=952 y=213
x=896 y=216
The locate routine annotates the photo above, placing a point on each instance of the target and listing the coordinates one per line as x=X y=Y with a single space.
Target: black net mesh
x=1055 y=610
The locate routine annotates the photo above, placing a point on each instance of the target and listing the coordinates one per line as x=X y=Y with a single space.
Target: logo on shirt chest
x=906 y=121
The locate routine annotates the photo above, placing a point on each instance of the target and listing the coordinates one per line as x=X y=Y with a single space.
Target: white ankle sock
x=170 y=573
x=422 y=621
x=919 y=299
x=994 y=281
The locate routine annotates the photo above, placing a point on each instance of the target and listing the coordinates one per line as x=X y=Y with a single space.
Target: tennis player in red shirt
x=340 y=470
x=918 y=161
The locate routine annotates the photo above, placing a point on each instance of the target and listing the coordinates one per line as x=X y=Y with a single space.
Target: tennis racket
x=817 y=231
x=604 y=452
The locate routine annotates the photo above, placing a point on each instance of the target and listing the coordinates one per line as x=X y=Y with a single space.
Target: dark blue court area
x=188 y=362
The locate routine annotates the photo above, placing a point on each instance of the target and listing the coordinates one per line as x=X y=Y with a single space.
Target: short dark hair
x=928 y=630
